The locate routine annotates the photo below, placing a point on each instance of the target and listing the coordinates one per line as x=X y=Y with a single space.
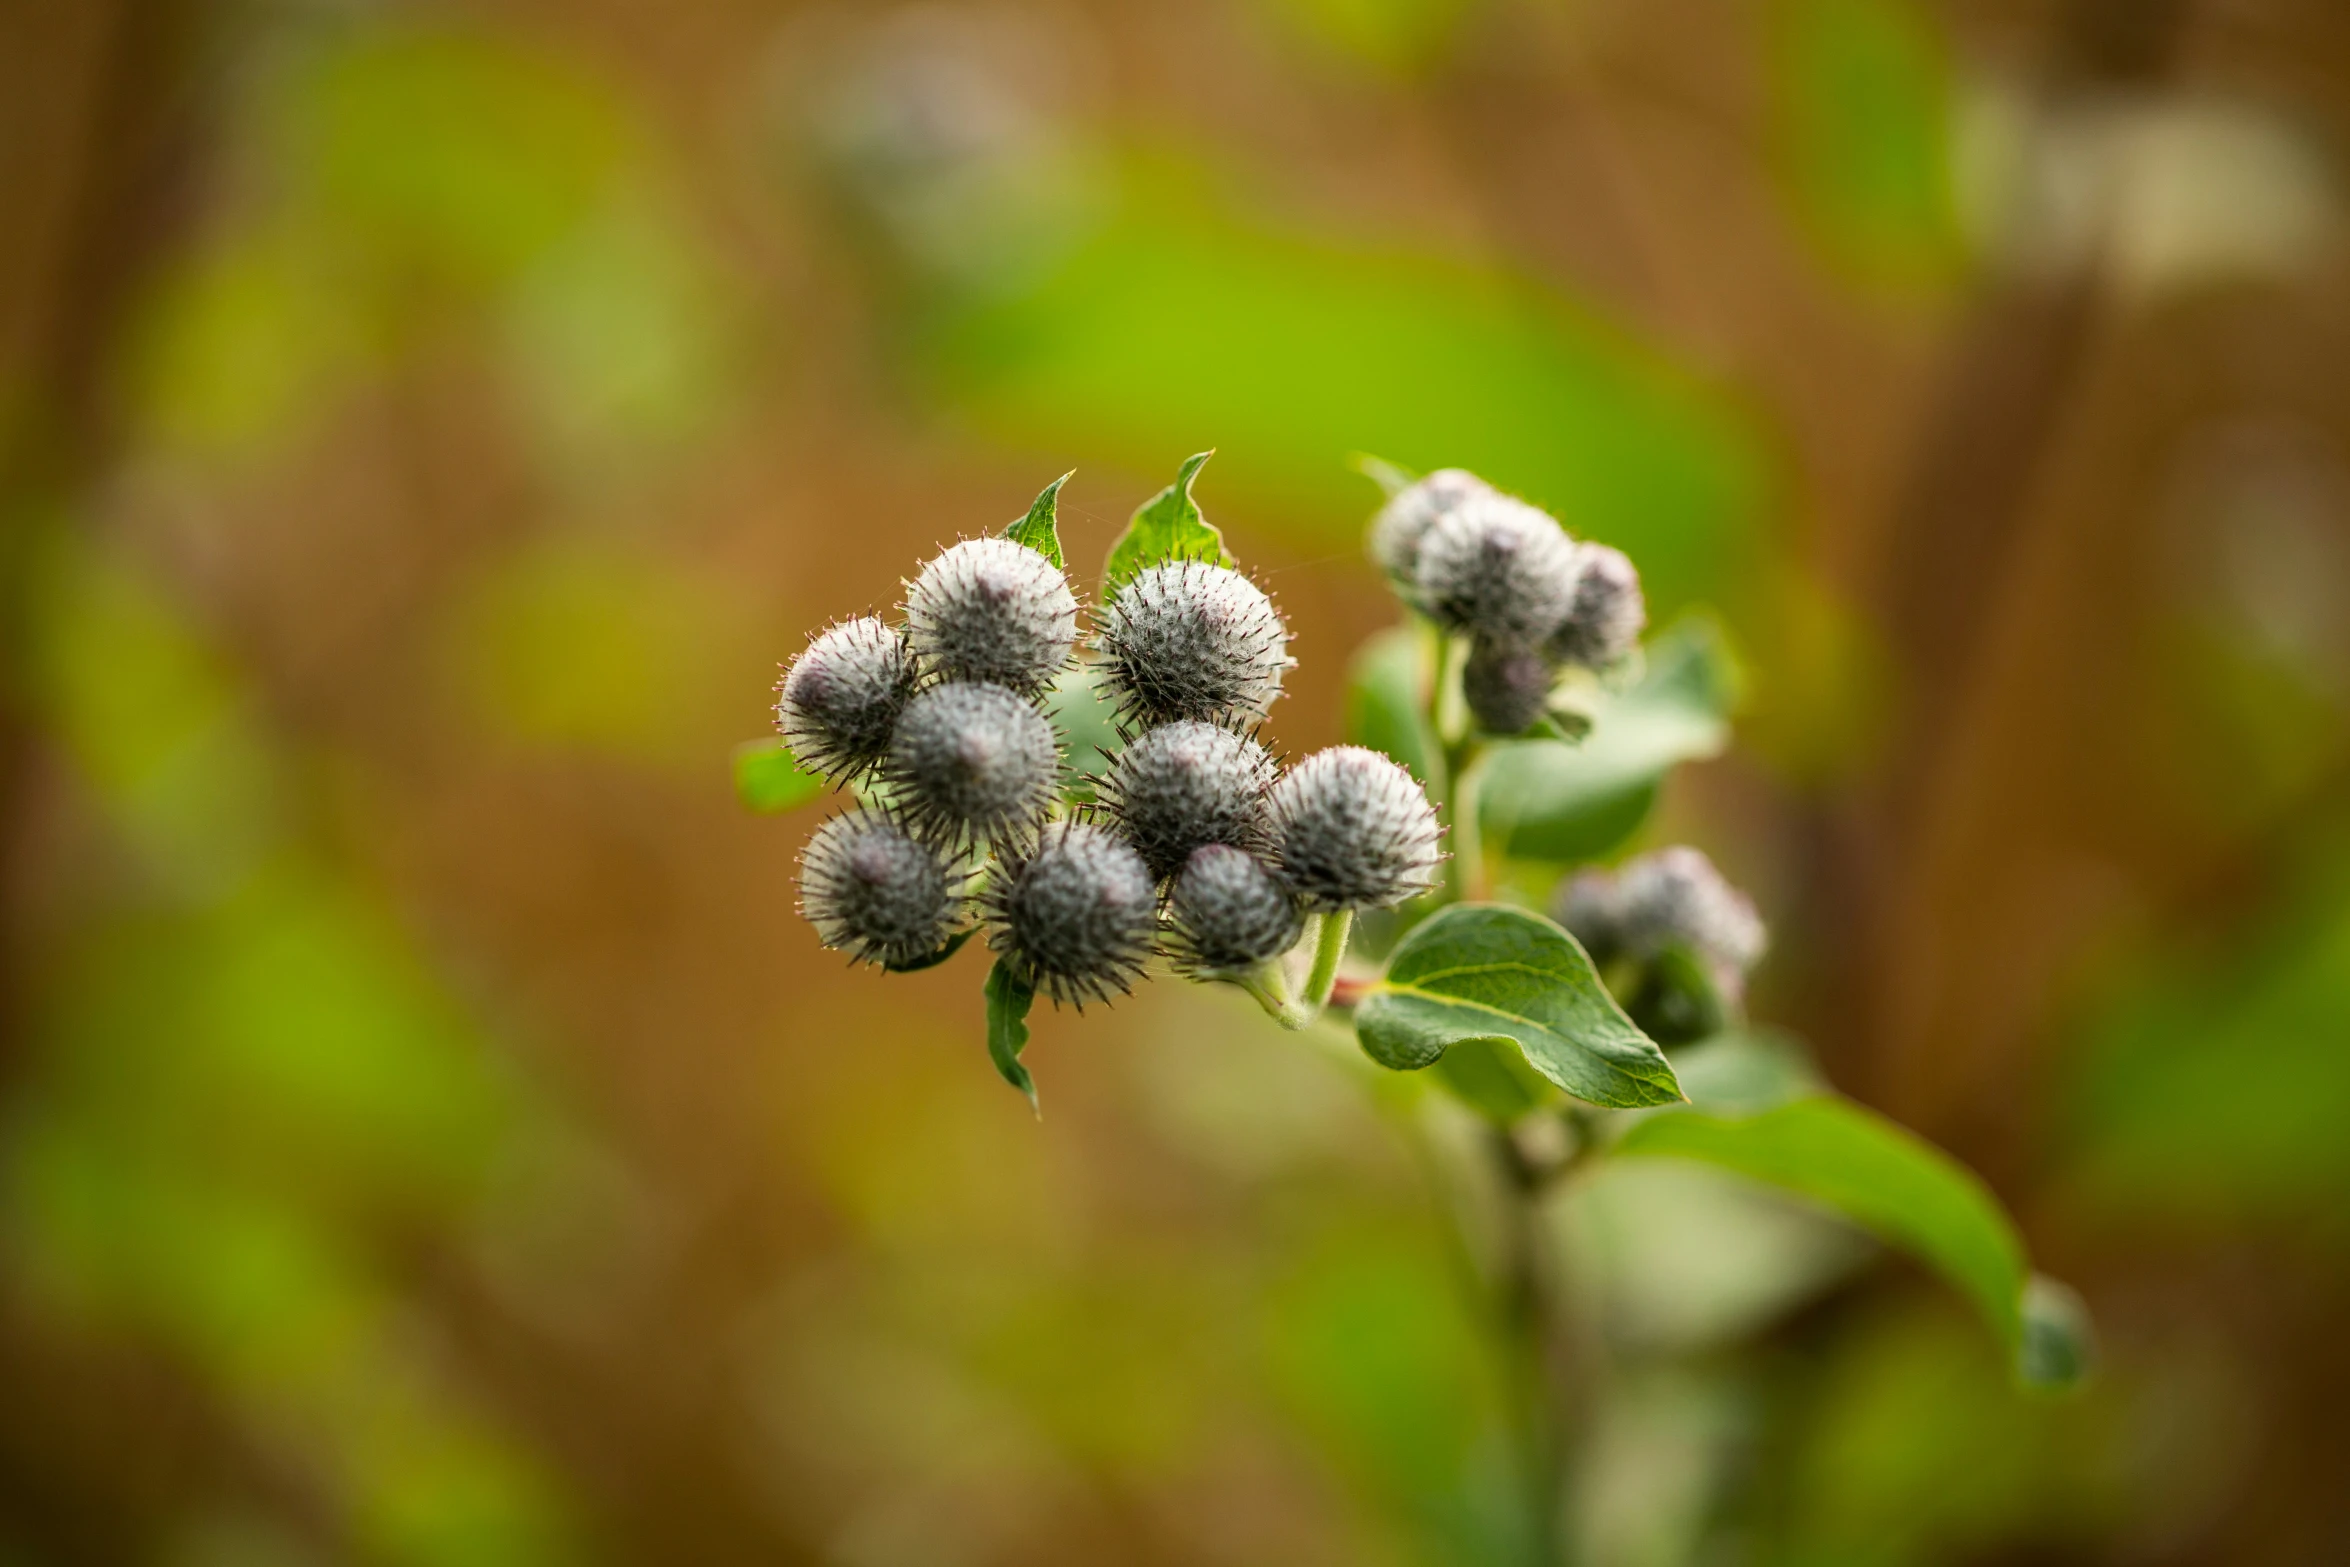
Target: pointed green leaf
x=1545 y=801
x=954 y=944
x=1898 y=1187
x=1040 y=529
x=1008 y=1001
x=1168 y=526
x=1390 y=478
x=1482 y=971
x=768 y=780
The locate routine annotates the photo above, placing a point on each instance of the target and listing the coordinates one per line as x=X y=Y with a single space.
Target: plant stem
x=1526 y=1313
x=1269 y=981
x=1464 y=872
x=1329 y=948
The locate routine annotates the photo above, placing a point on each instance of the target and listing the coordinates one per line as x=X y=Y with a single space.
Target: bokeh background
x=428 y=1137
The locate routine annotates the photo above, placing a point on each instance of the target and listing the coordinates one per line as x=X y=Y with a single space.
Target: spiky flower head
x=874 y=890
x=1352 y=830
x=973 y=761
x=1672 y=897
x=1074 y=916
x=1505 y=686
x=1608 y=613
x=839 y=702
x=1408 y=515
x=1676 y=894
x=995 y=611
x=1591 y=906
x=1184 y=784
x=1497 y=568
x=1186 y=639
x=1230 y=912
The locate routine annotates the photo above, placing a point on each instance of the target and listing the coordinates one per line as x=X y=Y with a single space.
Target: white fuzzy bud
x=1498 y=569
x=874 y=890
x=1350 y=829
x=1408 y=515
x=1230 y=912
x=1185 y=639
x=994 y=611
x=1608 y=612
x=1075 y=915
x=1184 y=784
x=1505 y=687
x=838 y=704
x=973 y=761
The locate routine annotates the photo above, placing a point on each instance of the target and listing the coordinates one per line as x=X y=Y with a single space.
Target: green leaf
x=1493 y=1078
x=1088 y=726
x=1896 y=1186
x=1391 y=478
x=1482 y=971
x=769 y=781
x=1040 y=529
x=1008 y=1001
x=1168 y=526
x=1386 y=704
x=954 y=944
x=1546 y=801
x=2059 y=1345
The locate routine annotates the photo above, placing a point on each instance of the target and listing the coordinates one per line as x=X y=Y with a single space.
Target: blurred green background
x=427 y=1135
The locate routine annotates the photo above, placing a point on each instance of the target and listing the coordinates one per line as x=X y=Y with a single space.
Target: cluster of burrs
x=1198 y=844
x=1532 y=601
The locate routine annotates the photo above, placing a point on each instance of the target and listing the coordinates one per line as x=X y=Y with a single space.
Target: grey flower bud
x=1591 y=908
x=839 y=702
x=1185 y=639
x=1608 y=612
x=1497 y=568
x=1230 y=912
x=1505 y=686
x=1350 y=829
x=1676 y=895
x=1408 y=515
x=973 y=761
x=1184 y=784
x=874 y=890
x=1075 y=915
x=995 y=611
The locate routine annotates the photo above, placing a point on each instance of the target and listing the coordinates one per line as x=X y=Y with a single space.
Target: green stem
x=1269 y=981
x=1464 y=871
x=1329 y=949
x=1526 y=1314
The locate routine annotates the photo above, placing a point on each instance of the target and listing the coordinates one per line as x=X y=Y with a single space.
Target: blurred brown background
x=427 y=1135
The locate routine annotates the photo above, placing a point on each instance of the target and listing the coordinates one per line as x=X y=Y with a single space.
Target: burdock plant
x=1429 y=891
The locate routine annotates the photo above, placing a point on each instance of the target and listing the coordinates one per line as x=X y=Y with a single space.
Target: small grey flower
x=973 y=761
x=1676 y=895
x=1184 y=784
x=995 y=611
x=1350 y=829
x=1185 y=639
x=839 y=702
x=1230 y=912
x=1672 y=897
x=1504 y=686
x=1608 y=613
x=875 y=891
x=1591 y=907
x=1408 y=515
x=1075 y=915
x=1497 y=568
